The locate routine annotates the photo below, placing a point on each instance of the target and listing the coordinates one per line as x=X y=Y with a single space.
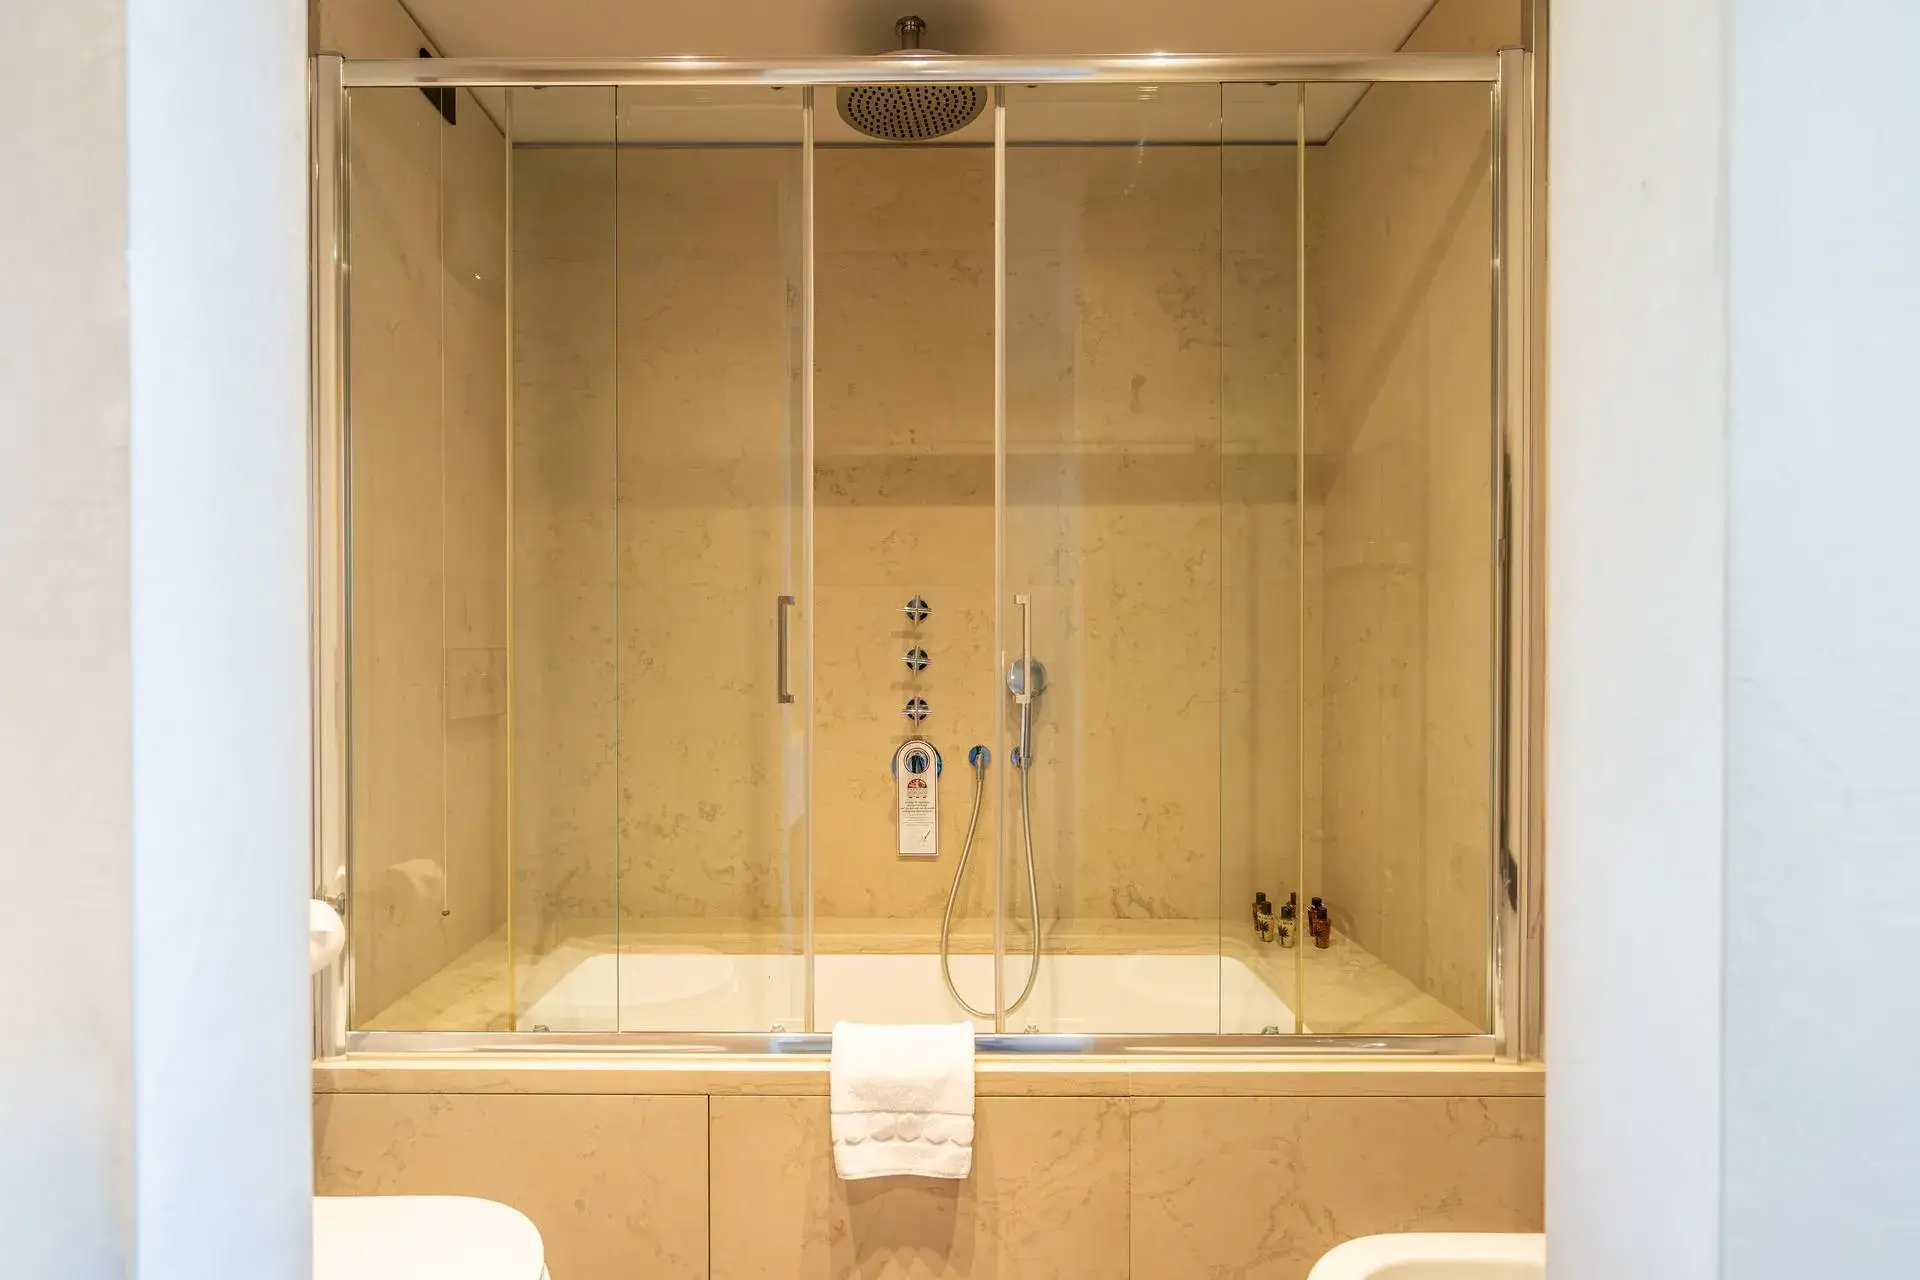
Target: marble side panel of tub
x=1048 y=1197
x=617 y=1185
x=1262 y=1187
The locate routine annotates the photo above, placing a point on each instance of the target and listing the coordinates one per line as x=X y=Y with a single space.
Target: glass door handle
x=782 y=630
x=1025 y=692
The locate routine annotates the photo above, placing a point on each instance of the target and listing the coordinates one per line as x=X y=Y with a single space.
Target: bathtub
x=1436 y=1256
x=580 y=989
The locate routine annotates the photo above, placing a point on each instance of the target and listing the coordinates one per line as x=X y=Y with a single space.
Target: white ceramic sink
x=1436 y=1256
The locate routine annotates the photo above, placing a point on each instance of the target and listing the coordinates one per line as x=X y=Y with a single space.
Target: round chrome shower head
x=911 y=112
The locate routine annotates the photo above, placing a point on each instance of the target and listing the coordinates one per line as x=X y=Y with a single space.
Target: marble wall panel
x=1048 y=1197
x=1262 y=1187
x=617 y=1184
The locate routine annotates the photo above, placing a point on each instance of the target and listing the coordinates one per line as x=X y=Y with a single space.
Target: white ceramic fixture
x=423 y=1238
x=1436 y=1256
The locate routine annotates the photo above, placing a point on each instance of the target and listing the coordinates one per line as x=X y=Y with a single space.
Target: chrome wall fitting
x=916 y=710
x=917 y=610
x=916 y=659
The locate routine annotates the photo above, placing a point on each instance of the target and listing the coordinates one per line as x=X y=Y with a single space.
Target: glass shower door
x=661 y=605
x=714 y=615
x=1111 y=537
x=564 y=594
x=1399 y=246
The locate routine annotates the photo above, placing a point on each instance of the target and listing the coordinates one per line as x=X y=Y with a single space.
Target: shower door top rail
x=691 y=71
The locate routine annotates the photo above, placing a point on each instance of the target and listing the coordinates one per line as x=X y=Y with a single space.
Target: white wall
x=153 y=686
x=66 y=1055
x=1735 y=683
x=1822 y=1054
x=217 y=249
x=1636 y=548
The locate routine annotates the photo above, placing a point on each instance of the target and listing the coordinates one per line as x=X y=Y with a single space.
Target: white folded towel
x=902 y=1100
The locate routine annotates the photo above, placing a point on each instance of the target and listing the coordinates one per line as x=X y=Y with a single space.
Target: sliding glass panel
x=1268 y=539
x=1111 y=764
x=903 y=414
x=566 y=623
x=710 y=644
x=426 y=423
x=1401 y=445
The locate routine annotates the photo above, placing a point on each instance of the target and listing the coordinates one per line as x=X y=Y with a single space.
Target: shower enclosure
x=726 y=520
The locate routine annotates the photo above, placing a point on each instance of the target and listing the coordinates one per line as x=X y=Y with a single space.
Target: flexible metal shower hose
x=959 y=874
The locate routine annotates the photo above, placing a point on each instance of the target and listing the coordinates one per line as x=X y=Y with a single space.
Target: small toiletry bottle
x=1320 y=924
x=1289 y=919
x=1262 y=918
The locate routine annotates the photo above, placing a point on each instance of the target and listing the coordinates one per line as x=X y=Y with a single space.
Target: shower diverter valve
x=916 y=784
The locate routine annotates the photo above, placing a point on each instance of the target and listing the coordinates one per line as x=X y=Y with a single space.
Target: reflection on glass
x=426 y=422
x=566 y=623
x=1113 y=532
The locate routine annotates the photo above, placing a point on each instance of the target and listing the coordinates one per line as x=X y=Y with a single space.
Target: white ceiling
x=797 y=28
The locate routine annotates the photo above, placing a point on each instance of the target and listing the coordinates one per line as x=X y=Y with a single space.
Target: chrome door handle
x=783 y=628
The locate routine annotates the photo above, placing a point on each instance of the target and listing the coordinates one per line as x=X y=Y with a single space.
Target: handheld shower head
x=1017 y=686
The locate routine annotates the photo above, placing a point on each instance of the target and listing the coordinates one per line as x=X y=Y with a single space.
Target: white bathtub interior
x=574 y=989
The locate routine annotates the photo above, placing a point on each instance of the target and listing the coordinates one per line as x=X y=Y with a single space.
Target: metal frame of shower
x=1514 y=941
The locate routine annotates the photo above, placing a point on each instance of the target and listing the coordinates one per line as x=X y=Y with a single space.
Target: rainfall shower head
x=911 y=112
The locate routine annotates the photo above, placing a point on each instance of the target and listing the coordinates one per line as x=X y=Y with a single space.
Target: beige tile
x=1048 y=1197
x=616 y=1184
x=1261 y=1187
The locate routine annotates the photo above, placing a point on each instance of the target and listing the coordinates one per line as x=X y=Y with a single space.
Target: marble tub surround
x=740 y=1183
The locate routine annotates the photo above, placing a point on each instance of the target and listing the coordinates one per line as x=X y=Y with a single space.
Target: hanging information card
x=916 y=775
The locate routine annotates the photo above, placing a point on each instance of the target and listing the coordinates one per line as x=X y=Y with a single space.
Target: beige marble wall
x=903 y=422
x=428 y=530
x=1270 y=598
x=1114 y=522
x=742 y=1185
x=645 y=732
x=1400 y=229
x=656 y=499
x=565 y=536
x=710 y=533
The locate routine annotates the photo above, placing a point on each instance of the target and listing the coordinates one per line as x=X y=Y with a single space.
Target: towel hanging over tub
x=902 y=1100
